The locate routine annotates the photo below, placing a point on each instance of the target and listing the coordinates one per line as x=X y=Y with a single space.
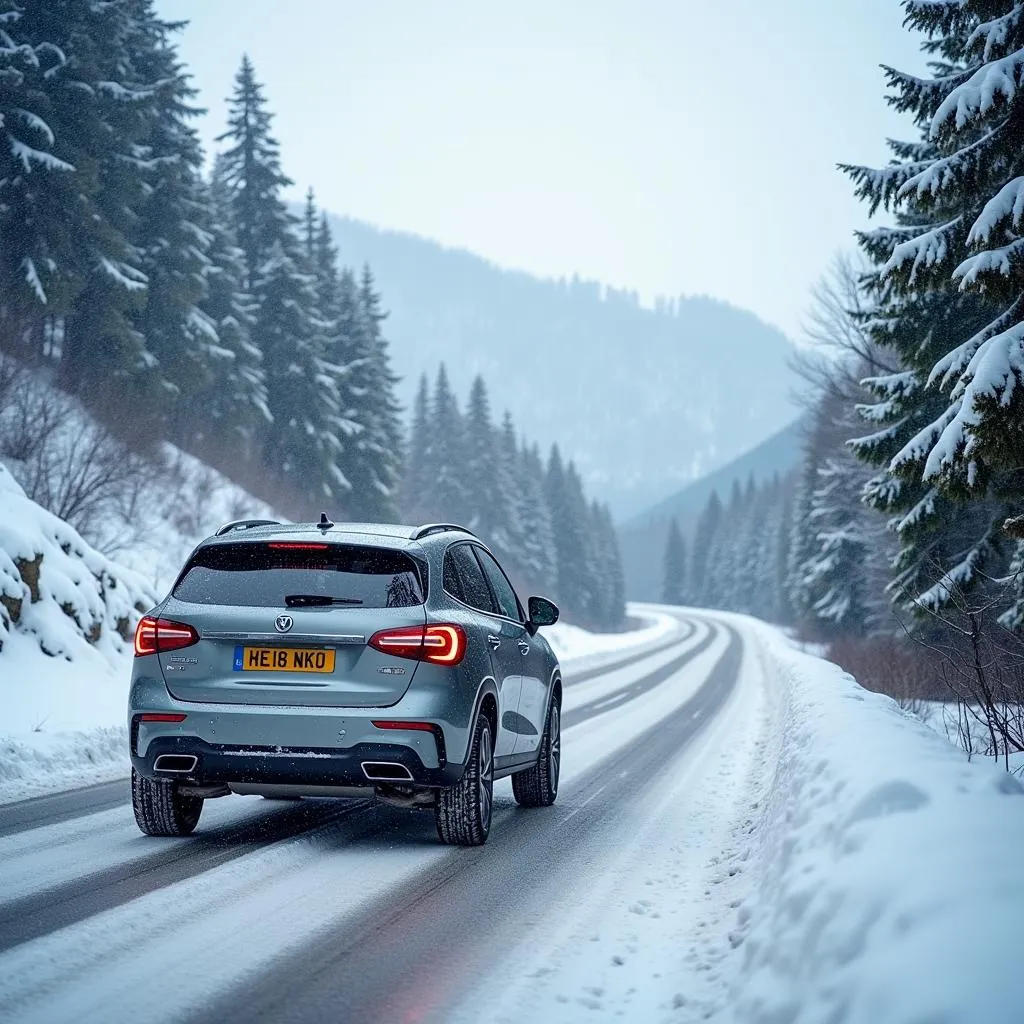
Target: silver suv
x=343 y=660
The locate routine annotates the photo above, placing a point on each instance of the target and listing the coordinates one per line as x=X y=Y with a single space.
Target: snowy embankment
x=67 y=616
x=886 y=866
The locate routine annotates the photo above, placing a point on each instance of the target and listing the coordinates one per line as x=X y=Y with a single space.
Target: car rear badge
x=391 y=670
x=283 y=623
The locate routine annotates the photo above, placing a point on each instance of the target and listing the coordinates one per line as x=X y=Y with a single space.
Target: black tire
x=463 y=811
x=161 y=810
x=538 y=786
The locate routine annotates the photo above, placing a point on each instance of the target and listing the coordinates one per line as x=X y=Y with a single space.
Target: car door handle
x=495 y=642
x=524 y=647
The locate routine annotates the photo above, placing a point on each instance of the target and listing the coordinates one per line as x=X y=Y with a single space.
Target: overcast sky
x=671 y=146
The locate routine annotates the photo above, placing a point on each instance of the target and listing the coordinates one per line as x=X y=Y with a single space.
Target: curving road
x=343 y=912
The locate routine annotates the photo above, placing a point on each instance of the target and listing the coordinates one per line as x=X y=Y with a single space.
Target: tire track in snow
x=69 y=902
x=480 y=900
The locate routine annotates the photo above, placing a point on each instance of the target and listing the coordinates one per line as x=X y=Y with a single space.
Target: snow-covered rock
x=55 y=589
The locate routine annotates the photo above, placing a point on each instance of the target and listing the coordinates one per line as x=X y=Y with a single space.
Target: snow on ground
x=577 y=646
x=888 y=884
x=816 y=855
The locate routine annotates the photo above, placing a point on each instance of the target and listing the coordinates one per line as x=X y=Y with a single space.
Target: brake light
x=296 y=546
x=159 y=716
x=154 y=636
x=438 y=643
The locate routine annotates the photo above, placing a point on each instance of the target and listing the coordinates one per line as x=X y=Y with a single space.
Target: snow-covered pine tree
x=172 y=236
x=708 y=524
x=75 y=107
x=448 y=490
x=250 y=167
x=510 y=540
x=230 y=412
x=609 y=578
x=416 y=482
x=673 y=589
x=568 y=524
x=373 y=458
x=950 y=284
x=488 y=499
x=539 y=558
x=300 y=446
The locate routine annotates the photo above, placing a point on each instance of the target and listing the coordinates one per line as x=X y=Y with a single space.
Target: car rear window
x=263 y=575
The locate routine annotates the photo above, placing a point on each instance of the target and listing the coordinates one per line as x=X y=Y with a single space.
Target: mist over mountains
x=644 y=400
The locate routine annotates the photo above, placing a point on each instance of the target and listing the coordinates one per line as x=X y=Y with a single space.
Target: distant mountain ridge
x=644 y=400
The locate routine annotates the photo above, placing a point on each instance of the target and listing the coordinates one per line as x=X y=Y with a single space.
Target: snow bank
x=69 y=599
x=67 y=617
x=889 y=882
x=571 y=643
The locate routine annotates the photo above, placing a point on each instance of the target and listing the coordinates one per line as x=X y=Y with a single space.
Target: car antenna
x=325 y=523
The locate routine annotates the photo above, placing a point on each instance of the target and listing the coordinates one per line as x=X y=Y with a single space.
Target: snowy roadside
x=62 y=723
x=888 y=886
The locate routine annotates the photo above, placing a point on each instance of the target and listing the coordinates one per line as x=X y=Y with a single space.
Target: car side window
x=473 y=586
x=450 y=576
x=503 y=591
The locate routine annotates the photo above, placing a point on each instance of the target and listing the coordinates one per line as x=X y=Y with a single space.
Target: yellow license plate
x=283 y=659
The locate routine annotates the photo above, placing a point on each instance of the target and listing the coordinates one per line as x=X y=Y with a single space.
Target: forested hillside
x=643 y=538
x=199 y=309
x=645 y=400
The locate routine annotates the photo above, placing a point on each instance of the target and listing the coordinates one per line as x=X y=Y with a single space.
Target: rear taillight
x=440 y=644
x=160 y=716
x=154 y=636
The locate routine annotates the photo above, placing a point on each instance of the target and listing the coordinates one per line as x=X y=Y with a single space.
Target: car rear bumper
x=363 y=764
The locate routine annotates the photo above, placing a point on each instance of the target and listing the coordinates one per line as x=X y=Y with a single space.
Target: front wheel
x=161 y=809
x=463 y=811
x=538 y=786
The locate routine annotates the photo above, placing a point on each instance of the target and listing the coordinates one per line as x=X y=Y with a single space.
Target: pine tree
x=373 y=457
x=674 y=585
x=75 y=107
x=300 y=447
x=172 y=236
x=488 y=504
x=540 y=557
x=949 y=286
x=447 y=453
x=251 y=169
x=701 y=586
x=416 y=482
x=570 y=541
x=232 y=407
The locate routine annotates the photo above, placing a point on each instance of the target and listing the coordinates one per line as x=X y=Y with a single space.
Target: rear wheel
x=463 y=811
x=161 y=809
x=538 y=786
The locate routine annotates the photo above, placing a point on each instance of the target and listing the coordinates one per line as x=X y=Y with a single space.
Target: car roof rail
x=428 y=528
x=244 y=524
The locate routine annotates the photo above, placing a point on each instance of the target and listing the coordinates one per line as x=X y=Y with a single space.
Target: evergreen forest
x=179 y=298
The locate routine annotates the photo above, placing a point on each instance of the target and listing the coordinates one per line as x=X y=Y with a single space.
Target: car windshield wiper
x=316 y=600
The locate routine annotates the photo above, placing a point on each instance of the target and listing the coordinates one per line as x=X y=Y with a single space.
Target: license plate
x=283 y=659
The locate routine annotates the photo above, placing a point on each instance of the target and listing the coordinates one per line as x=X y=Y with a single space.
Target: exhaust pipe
x=180 y=764
x=386 y=771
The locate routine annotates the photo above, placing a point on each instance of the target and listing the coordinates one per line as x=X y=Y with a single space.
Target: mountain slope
x=642 y=539
x=644 y=400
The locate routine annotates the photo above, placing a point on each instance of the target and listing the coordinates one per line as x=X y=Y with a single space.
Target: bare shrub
x=67 y=462
x=982 y=666
x=894 y=666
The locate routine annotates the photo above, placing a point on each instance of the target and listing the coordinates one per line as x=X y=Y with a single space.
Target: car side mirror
x=542 y=613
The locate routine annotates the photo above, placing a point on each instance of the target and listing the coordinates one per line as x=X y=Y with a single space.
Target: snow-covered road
x=709 y=773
